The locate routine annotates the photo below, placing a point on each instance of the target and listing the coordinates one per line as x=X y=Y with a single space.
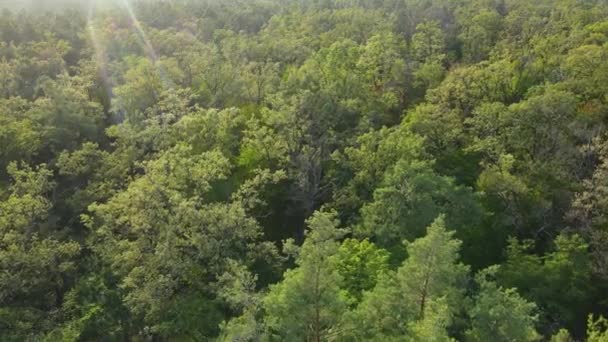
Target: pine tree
x=500 y=314
x=308 y=303
x=422 y=295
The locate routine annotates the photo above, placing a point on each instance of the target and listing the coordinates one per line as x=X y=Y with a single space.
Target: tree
x=434 y=325
x=384 y=70
x=36 y=264
x=428 y=43
x=19 y=135
x=410 y=198
x=308 y=303
x=66 y=115
x=9 y=79
x=154 y=155
x=562 y=336
x=500 y=314
x=597 y=330
x=141 y=89
x=39 y=60
x=432 y=269
x=589 y=212
x=166 y=242
x=585 y=68
x=421 y=297
x=360 y=168
x=559 y=281
x=238 y=288
x=479 y=33
x=531 y=159
x=360 y=263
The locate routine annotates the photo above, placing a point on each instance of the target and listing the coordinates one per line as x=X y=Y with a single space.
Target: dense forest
x=304 y=170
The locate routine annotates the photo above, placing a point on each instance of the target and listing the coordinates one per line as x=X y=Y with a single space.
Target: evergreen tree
x=308 y=303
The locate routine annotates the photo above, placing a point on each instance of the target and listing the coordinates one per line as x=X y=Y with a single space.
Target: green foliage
x=558 y=281
x=180 y=240
x=500 y=314
x=28 y=250
x=479 y=32
x=360 y=263
x=562 y=336
x=410 y=198
x=428 y=42
x=597 y=330
x=308 y=302
x=361 y=167
x=141 y=89
x=154 y=156
x=421 y=297
x=589 y=211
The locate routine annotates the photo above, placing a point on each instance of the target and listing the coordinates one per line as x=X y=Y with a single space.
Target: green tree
x=597 y=330
x=559 y=281
x=360 y=263
x=428 y=43
x=36 y=264
x=66 y=115
x=410 y=198
x=9 y=79
x=141 y=89
x=421 y=297
x=19 y=135
x=166 y=242
x=309 y=302
x=360 y=168
x=589 y=211
x=479 y=33
x=500 y=314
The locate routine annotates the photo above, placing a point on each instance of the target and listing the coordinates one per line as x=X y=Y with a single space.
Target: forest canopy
x=304 y=170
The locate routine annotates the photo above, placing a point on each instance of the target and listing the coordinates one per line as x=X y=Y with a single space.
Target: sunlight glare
x=147 y=45
x=99 y=52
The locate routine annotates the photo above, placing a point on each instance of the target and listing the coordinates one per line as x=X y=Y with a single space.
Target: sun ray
x=147 y=45
x=99 y=53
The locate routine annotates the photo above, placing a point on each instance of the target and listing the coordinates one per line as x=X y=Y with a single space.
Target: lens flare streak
x=147 y=45
x=99 y=52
